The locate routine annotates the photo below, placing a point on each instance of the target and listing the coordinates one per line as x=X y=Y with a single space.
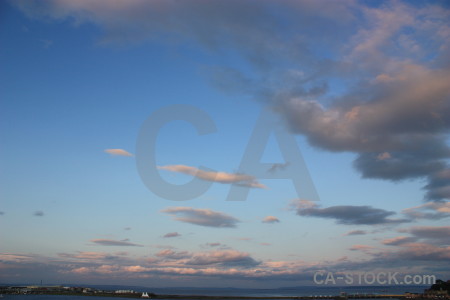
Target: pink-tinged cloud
x=202 y=217
x=221 y=177
x=270 y=219
x=429 y=210
x=170 y=254
x=86 y=255
x=12 y=257
x=383 y=156
x=118 y=152
x=107 y=242
x=400 y=240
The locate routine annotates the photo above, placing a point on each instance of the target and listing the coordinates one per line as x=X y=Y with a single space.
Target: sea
x=273 y=293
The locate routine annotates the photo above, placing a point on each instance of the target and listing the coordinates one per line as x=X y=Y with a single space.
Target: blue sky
x=363 y=89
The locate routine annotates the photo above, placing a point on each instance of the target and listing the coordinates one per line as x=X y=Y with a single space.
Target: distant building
x=124 y=292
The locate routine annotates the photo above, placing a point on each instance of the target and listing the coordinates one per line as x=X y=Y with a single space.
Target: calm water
x=300 y=291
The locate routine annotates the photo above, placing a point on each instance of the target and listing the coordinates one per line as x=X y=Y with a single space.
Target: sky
x=223 y=143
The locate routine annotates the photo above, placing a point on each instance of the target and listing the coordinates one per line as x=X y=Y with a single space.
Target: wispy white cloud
x=221 y=177
x=270 y=219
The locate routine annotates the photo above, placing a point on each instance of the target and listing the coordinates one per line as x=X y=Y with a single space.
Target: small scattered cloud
x=270 y=219
x=171 y=235
x=360 y=248
x=202 y=217
x=213 y=244
x=127 y=228
x=107 y=242
x=118 y=152
x=400 y=240
x=348 y=214
x=277 y=167
x=220 y=177
x=46 y=43
x=2 y=213
x=265 y=244
x=356 y=232
x=38 y=213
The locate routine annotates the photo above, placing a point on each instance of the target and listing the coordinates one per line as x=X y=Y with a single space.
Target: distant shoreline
x=215 y=297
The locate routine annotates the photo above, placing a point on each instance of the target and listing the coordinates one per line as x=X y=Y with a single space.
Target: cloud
x=347 y=214
x=38 y=213
x=424 y=252
x=93 y=256
x=170 y=254
x=2 y=213
x=118 y=152
x=213 y=244
x=106 y=242
x=171 y=234
x=223 y=257
x=356 y=232
x=202 y=217
x=275 y=167
x=270 y=219
x=436 y=234
x=360 y=248
x=400 y=240
x=429 y=210
x=221 y=177
x=222 y=266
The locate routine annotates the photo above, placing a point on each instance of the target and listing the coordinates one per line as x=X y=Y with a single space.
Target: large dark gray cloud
x=349 y=215
x=202 y=217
